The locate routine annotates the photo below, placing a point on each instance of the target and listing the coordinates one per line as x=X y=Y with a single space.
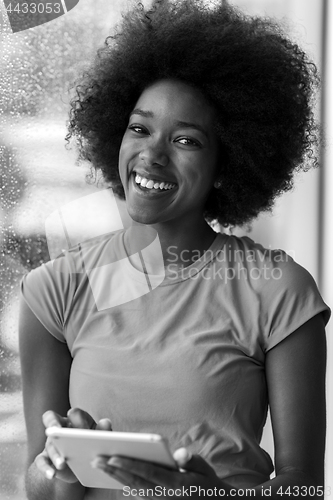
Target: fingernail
x=115 y=462
x=98 y=462
x=105 y=422
x=182 y=454
x=50 y=473
x=58 y=462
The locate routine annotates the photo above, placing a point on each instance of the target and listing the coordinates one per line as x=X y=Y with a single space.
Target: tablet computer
x=80 y=446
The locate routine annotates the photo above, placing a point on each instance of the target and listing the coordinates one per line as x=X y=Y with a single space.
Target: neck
x=180 y=248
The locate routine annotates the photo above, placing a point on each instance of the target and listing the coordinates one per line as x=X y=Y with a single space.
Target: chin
x=143 y=217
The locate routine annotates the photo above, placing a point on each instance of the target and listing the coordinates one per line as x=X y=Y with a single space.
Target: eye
x=187 y=141
x=138 y=129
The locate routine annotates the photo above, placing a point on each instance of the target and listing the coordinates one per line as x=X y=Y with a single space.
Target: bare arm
x=295 y=371
x=45 y=366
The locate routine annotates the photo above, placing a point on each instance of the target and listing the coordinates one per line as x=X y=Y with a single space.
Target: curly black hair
x=260 y=82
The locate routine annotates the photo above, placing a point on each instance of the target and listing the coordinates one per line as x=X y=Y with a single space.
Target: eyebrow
x=192 y=125
x=141 y=112
x=182 y=124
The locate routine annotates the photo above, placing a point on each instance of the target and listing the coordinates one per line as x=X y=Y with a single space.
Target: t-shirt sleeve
x=48 y=291
x=289 y=299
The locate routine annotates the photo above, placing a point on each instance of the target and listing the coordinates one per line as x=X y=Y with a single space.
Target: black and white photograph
x=166 y=242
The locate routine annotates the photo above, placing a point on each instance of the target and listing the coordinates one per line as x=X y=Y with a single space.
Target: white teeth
x=149 y=183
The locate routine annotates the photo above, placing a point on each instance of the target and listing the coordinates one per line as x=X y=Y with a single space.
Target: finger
x=81 y=419
x=125 y=477
x=53 y=419
x=193 y=463
x=54 y=456
x=182 y=456
x=44 y=464
x=154 y=474
x=104 y=425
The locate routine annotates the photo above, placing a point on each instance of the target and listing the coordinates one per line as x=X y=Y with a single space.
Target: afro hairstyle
x=261 y=84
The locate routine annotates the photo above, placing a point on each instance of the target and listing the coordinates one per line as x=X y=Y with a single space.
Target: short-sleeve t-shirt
x=187 y=358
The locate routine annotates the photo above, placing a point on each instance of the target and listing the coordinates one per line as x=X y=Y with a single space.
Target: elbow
x=304 y=478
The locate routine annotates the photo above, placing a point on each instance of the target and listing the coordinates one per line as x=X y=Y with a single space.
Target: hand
x=138 y=475
x=50 y=462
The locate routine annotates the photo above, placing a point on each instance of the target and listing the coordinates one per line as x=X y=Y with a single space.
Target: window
x=37 y=175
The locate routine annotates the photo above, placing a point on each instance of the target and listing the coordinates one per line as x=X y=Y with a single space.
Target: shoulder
x=71 y=265
x=265 y=267
x=50 y=289
x=248 y=251
x=285 y=293
x=49 y=276
x=47 y=291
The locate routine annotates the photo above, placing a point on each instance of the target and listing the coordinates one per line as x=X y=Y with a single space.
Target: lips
x=145 y=182
x=153 y=176
x=156 y=188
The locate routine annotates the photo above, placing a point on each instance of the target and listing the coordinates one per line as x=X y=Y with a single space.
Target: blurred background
x=38 y=175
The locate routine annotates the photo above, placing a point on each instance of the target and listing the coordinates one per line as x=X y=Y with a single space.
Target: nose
x=154 y=153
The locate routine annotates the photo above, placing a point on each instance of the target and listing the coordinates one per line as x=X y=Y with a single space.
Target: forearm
x=38 y=487
x=286 y=485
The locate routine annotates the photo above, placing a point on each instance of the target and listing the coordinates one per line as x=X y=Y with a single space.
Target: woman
x=193 y=114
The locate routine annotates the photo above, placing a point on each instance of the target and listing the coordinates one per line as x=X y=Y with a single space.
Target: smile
x=151 y=186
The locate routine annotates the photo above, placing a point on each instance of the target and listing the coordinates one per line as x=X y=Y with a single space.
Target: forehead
x=176 y=99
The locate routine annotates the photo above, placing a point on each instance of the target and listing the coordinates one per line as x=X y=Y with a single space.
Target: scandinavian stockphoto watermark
x=230 y=254
x=225 y=274
x=230 y=264
x=87 y=236
x=26 y=14
x=78 y=237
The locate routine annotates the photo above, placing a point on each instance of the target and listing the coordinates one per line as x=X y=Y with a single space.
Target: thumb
x=192 y=463
x=81 y=419
x=104 y=425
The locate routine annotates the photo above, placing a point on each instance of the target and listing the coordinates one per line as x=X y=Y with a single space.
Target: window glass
x=37 y=175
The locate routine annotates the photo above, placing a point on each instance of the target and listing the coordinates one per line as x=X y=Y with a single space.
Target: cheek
x=129 y=149
x=201 y=173
x=123 y=161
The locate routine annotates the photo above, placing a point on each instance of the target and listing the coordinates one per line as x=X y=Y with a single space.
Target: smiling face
x=168 y=156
